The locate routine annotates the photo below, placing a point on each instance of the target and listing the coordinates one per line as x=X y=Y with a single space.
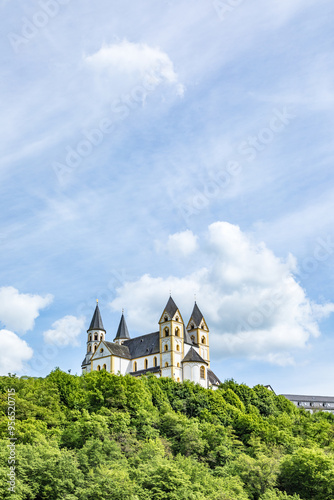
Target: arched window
x=135 y=366
x=166 y=364
x=89 y=348
x=155 y=362
x=177 y=332
x=104 y=367
x=192 y=326
x=202 y=372
x=146 y=364
x=90 y=338
x=178 y=365
x=178 y=379
x=98 y=368
x=95 y=336
x=95 y=346
x=177 y=318
x=166 y=332
x=101 y=338
x=177 y=347
x=166 y=347
x=193 y=338
x=101 y=350
x=203 y=340
x=166 y=318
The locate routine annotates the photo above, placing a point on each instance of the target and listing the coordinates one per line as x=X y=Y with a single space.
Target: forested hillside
x=102 y=436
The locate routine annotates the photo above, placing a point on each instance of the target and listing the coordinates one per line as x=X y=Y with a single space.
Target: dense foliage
x=102 y=436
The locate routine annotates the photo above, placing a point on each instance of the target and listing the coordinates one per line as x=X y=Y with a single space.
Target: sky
x=180 y=147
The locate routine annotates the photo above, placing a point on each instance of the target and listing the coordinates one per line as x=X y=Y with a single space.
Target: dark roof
x=196 y=315
x=121 y=351
x=192 y=355
x=154 y=369
x=122 y=332
x=186 y=336
x=309 y=399
x=171 y=307
x=143 y=345
x=213 y=379
x=96 y=323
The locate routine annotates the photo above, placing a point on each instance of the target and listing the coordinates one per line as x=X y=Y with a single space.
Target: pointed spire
x=96 y=323
x=122 y=332
x=171 y=307
x=196 y=316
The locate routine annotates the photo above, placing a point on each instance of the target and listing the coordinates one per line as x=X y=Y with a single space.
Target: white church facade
x=175 y=350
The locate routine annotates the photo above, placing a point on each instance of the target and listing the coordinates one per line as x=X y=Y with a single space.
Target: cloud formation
x=133 y=63
x=18 y=311
x=65 y=331
x=249 y=297
x=14 y=352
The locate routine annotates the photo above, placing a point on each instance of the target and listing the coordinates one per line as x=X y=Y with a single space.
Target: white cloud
x=180 y=244
x=65 y=331
x=249 y=297
x=14 y=352
x=18 y=311
x=130 y=64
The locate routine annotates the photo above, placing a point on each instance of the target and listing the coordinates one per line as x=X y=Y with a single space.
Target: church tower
x=171 y=338
x=199 y=333
x=122 y=332
x=96 y=331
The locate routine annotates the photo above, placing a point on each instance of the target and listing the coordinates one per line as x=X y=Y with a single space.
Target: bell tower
x=96 y=331
x=198 y=331
x=171 y=338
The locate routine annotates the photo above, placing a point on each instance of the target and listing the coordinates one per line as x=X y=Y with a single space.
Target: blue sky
x=157 y=146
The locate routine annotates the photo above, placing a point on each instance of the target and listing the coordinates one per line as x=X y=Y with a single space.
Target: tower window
x=177 y=347
x=166 y=318
x=177 y=332
x=178 y=365
x=104 y=367
x=98 y=368
x=101 y=338
x=146 y=364
x=166 y=347
x=193 y=338
x=166 y=364
x=135 y=366
x=192 y=326
x=90 y=338
x=166 y=332
x=89 y=348
x=155 y=362
x=203 y=340
x=202 y=372
x=101 y=350
x=95 y=346
x=95 y=336
x=177 y=318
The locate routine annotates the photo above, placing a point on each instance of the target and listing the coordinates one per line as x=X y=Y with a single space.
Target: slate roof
x=193 y=356
x=171 y=307
x=186 y=336
x=196 y=315
x=309 y=399
x=143 y=345
x=122 y=351
x=213 y=379
x=154 y=369
x=122 y=332
x=96 y=323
